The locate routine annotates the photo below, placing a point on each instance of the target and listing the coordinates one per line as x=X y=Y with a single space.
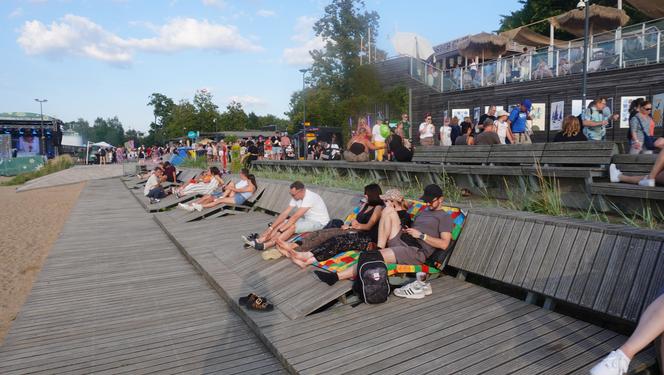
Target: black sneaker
x=259 y=246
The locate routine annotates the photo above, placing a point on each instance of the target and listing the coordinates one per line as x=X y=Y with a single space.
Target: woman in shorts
x=234 y=193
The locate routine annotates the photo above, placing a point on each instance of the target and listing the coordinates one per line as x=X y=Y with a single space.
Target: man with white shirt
x=310 y=215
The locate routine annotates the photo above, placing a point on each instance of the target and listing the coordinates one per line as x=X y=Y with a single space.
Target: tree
x=207 y=114
x=234 y=118
x=162 y=110
x=80 y=126
x=253 y=121
x=536 y=10
x=183 y=119
x=341 y=28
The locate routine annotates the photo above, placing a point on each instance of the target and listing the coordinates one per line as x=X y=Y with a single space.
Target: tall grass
x=54 y=165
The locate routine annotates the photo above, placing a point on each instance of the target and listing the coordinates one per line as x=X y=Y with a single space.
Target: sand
x=30 y=222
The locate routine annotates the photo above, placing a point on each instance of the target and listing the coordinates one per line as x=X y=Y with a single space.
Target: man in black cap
x=431 y=231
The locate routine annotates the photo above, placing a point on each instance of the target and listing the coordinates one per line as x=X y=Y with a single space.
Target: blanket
x=344 y=260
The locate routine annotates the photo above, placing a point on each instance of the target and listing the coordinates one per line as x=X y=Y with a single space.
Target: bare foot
x=299 y=262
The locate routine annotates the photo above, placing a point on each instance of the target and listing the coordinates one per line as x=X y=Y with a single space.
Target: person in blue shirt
x=595 y=119
x=518 y=122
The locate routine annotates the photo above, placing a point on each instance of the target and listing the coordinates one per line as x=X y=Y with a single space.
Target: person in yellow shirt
x=378 y=140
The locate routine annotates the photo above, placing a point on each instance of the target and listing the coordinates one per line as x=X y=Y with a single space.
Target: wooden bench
x=575 y=159
x=608 y=272
x=509 y=159
x=430 y=154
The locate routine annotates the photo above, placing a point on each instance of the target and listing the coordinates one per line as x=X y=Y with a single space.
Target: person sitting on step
x=208 y=183
x=310 y=215
x=656 y=176
x=233 y=193
x=326 y=243
x=431 y=231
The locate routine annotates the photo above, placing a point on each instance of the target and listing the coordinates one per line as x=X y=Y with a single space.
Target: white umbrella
x=102 y=144
x=412 y=44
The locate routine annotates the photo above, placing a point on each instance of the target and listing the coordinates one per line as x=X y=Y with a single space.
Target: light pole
x=41 y=114
x=304 y=108
x=584 y=5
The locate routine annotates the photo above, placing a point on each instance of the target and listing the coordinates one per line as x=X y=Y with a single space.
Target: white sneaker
x=248 y=242
x=182 y=206
x=187 y=207
x=616 y=363
x=197 y=207
x=649 y=182
x=414 y=290
x=614 y=173
x=427 y=289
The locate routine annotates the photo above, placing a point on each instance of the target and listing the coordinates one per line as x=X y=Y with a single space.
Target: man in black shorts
x=431 y=231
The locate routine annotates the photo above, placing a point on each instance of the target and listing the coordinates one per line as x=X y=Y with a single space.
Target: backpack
x=371 y=284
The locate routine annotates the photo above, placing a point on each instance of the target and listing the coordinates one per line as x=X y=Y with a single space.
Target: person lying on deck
x=326 y=243
x=649 y=328
x=311 y=215
x=656 y=175
x=431 y=231
x=233 y=193
x=208 y=183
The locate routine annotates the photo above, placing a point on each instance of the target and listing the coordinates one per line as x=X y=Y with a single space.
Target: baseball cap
x=431 y=192
x=392 y=195
x=527 y=103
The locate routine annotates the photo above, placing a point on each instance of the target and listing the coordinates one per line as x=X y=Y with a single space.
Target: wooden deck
x=74 y=175
x=116 y=296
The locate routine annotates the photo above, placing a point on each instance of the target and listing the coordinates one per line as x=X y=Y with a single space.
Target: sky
x=103 y=58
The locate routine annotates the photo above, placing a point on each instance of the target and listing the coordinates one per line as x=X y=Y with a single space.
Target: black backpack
x=371 y=284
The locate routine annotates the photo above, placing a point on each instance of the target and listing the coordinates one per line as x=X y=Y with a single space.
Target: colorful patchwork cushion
x=344 y=260
x=458 y=217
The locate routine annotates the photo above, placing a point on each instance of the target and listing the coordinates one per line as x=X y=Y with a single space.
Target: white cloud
x=79 y=36
x=266 y=13
x=16 y=13
x=304 y=36
x=221 y=4
x=248 y=100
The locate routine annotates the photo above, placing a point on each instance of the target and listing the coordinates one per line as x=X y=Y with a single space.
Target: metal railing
x=632 y=46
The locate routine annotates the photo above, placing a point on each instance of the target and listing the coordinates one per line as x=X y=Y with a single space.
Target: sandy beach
x=30 y=222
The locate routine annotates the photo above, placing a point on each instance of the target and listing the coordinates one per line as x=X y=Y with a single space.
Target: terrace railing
x=631 y=46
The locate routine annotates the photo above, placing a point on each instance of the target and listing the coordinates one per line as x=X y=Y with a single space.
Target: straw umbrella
x=486 y=45
x=600 y=18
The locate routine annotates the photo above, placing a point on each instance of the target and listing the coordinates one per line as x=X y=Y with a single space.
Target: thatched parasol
x=485 y=45
x=652 y=8
x=528 y=37
x=600 y=18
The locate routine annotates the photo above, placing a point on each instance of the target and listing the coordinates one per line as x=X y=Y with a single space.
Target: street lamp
x=41 y=114
x=304 y=107
x=584 y=5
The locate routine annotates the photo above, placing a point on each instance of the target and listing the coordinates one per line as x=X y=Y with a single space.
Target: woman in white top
x=446 y=133
x=234 y=193
x=427 y=130
x=503 y=128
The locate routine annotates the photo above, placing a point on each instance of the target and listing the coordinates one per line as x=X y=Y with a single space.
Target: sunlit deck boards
x=116 y=296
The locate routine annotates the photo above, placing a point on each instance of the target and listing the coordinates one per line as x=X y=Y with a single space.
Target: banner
x=557 y=115
x=658 y=109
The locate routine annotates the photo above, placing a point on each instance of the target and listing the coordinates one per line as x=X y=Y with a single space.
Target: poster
x=658 y=109
x=625 y=101
x=577 y=107
x=476 y=115
x=460 y=113
x=5 y=146
x=538 y=114
x=557 y=115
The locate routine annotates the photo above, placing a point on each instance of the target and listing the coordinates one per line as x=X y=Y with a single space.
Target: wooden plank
x=519 y=249
x=571 y=237
x=545 y=245
x=529 y=249
x=598 y=270
x=634 y=303
x=625 y=258
x=581 y=269
x=500 y=249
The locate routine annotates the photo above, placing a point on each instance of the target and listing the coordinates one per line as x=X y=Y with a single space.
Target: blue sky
x=104 y=58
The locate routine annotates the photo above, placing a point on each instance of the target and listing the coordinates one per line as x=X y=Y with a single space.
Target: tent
x=101 y=144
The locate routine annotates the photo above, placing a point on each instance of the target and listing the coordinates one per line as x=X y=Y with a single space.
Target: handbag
x=648 y=140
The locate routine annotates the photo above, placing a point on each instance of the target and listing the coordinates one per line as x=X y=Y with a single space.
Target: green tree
x=81 y=126
x=234 y=118
x=162 y=108
x=207 y=113
x=253 y=121
x=183 y=119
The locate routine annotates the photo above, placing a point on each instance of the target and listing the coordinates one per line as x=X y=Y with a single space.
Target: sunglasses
x=648 y=109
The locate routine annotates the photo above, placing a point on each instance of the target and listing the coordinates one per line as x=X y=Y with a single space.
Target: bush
x=198 y=163
x=54 y=165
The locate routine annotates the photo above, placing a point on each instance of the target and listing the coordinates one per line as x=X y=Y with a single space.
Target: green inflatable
x=384 y=131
